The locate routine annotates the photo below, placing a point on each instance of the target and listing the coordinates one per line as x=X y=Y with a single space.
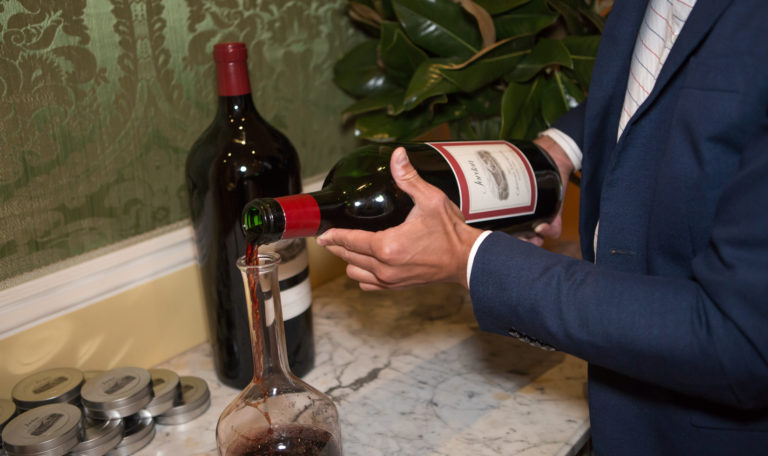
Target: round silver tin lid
x=48 y=387
x=99 y=437
x=167 y=389
x=89 y=374
x=48 y=430
x=139 y=431
x=7 y=410
x=117 y=393
x=195 y=400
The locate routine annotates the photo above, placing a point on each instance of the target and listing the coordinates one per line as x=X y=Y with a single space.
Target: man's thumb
x=402 y=170
x=405 y=175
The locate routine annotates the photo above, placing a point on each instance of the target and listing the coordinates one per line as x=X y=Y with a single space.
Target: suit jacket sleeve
x=572 y=124
x=705 y=335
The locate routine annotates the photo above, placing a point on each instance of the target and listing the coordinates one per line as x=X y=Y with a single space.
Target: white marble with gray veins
x=412 y=374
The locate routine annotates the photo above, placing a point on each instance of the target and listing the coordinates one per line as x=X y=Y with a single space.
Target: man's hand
x=554 y=229
x=431 y=245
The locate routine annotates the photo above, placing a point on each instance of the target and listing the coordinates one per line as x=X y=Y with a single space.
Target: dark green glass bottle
x=496 y=184
x=240 y=157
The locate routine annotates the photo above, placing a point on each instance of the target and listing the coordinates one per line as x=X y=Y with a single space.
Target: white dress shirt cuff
x=473 y=252
x=570 y=147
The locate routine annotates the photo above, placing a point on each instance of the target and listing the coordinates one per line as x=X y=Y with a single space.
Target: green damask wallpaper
x=100 y=101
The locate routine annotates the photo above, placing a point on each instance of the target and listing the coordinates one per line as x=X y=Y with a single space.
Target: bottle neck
x=234 y=105
x=234 y=87
x=267 y=220
x=232 y=78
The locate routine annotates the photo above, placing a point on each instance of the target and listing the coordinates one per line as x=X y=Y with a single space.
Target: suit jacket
x=672 y=316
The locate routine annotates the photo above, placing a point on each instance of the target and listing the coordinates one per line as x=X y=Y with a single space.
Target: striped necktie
x=662 y=23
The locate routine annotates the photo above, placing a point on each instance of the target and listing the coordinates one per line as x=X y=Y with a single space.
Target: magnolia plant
x=486 y=68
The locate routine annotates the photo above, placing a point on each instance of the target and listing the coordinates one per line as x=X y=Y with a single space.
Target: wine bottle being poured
x=496 y=184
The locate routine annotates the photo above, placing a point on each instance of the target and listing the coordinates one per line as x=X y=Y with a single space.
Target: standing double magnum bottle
x=240 y=157
x=510 y=185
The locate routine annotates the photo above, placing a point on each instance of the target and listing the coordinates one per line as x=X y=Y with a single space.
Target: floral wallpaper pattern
x=100 y=101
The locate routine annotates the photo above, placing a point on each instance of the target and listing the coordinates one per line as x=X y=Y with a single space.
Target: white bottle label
x=296 y=299
x=495 y=178
x=293 y=274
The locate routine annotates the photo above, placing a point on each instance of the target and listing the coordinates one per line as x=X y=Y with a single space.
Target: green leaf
x=368 y=3
x=426 y=83
x=364 y=13
x=381 y=127
x=546 y=53
x=382 y=101
x=471 y=128
x=485 y=102
x=448 y=112
x=358 y=73
x=442 y=76
x=398 y=54
x=384 y=8
x=500 y=6
x=554 y=99
x=486 y=128
x=490 y=66
x=579 y=17
x=461 y=129
x=481 y=119
x=583 y=50
x=575 y=95
x=519 y=104
x=535 y=126
x=439 y=26
x=591 y=15
x=529 y=19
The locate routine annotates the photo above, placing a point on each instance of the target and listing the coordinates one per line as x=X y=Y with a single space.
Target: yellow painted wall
x=139 y=327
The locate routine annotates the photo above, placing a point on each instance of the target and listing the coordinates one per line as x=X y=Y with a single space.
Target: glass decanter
x=277 y=413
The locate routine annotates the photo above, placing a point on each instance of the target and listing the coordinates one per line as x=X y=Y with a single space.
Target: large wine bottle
x=240 y=157
x=496 y=184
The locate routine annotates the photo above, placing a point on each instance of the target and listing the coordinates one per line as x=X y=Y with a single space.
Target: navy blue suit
x=672 y=317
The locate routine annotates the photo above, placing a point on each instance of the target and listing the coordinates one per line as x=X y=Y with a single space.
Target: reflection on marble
x=412 y=374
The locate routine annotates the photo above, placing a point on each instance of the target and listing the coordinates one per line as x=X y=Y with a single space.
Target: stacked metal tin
x=64 y=411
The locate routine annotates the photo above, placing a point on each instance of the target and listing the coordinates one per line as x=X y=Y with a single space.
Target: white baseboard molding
x=38 y=300
x=52 y=295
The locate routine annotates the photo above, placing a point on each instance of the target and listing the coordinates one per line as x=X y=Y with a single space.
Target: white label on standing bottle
x=296 y=299
x=495 y=178
x=293 y=274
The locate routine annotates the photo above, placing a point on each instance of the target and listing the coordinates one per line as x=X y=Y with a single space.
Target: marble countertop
x=411 y=374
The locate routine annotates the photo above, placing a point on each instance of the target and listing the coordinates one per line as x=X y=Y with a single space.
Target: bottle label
x=293 y=275
x=495 y=178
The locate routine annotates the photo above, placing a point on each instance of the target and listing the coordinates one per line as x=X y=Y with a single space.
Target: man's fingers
x=370 y=281
x=357 y=241
x=371 y=287
x=364 y=277
x=550 y=230
x=533 y=239
x=360 y=268
x=351 y=257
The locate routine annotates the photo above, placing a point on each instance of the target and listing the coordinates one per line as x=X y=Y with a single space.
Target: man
x=670 y=305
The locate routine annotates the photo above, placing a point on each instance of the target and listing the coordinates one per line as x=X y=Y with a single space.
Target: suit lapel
x=601 y=119
x=609 y=77
x=700 y=21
